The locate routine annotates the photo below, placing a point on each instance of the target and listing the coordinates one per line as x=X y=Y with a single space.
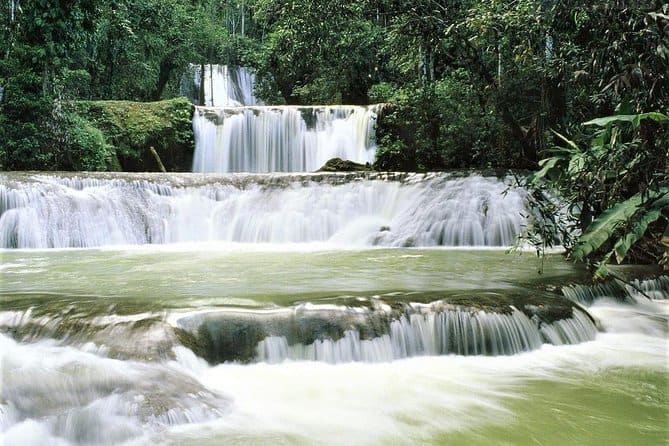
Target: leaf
x=633 y=119
x=603 y=122
x=625 y=243
x=599 y=140
x=547 y=165
x=655 y=116
x=654 y=212
x=576 y=164
x=569 y=142
x=605 y=226
x=602 y=271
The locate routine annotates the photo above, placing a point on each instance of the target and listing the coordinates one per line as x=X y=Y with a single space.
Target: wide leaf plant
x=613 y=193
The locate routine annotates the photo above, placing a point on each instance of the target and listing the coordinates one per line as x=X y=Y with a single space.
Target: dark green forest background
x=468 y=83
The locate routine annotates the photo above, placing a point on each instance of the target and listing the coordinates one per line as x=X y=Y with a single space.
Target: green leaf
x=569 y=142
x=576 y=164
x=603 y=122
x=625 y=243
x=604 y=227
x=602 y=271
x=547 y=165
x=633 y=119
x=654 y=212
x=599 y=140
x=655 y=116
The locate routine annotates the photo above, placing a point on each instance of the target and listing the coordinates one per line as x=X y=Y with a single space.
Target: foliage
x=435 y=126
x=133 y=127
x=633 y=216
x=317 y=52
x=615 y=189
x=85 y=146
x=41 y=39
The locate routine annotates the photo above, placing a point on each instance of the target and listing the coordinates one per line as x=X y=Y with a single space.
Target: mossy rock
x=132 y=128
x=340 y=165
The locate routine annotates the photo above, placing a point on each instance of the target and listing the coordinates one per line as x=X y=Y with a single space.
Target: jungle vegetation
x=575 y=90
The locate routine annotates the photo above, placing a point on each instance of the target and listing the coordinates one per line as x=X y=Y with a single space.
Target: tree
x=44 y=38
x=318 y=52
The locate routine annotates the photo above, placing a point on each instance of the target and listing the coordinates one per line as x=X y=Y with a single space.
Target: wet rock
x=340 y=165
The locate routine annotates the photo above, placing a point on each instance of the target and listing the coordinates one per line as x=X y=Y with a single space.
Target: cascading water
x=233 y=133
x=281 y=139
x=634 y=291
x=419 y=210
x=435 y=333
x=222 y=85
x=335 y=334
x=309 y=322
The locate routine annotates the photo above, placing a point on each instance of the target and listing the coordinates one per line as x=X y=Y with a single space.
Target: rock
x=340 y=165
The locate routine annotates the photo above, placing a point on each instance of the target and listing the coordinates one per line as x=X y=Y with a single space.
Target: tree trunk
x=201 y=86
x=164 y=73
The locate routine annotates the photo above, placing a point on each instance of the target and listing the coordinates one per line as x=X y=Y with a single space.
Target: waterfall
x=634 y=291
x=459 y=332
x=224 y=85
x=453 y=332
x=281 y=139
x=234 y=133
x=380 y=331
x=45 y=211
x=347 y=334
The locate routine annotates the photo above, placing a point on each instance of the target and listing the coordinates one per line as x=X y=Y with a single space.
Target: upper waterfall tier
x=45 y=211
x=281 y=138
x=221 y=85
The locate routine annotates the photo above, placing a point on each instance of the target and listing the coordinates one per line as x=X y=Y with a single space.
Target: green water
x=615 y=406
x=610 y=391
x=244 y=275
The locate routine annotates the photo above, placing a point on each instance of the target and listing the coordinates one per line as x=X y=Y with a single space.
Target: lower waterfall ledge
x=379 y=330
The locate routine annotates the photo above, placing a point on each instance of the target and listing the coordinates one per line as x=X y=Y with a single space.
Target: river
x=394 y=333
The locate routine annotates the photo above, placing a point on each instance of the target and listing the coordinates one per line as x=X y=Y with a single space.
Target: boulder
x=340 y=165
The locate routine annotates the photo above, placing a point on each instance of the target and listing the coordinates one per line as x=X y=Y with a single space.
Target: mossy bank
x=101 y=136
x=132 y=129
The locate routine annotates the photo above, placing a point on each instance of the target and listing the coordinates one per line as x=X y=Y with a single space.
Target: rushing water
x=221 y=85
x=234 y=133
x=46 y=211
x=281 y=139
x=323 y=337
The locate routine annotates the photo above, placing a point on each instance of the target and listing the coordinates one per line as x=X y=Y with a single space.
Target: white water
x=234 y=134
x=637 y=291
x=281 y=139
x=436 y=333
x=54 y=212
x=405 y=402
x=85 y=388
x=224 y=85
x=62 y=395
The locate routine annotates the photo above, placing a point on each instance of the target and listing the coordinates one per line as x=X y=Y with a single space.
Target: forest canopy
x=472 y=83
